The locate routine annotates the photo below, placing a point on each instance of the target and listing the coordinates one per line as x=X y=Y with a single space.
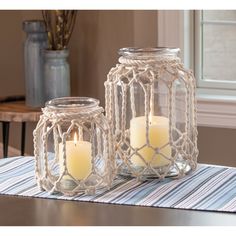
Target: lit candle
x=158 y=137
x=78 y=158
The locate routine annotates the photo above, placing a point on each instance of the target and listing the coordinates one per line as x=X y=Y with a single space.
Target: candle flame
x=75 y=138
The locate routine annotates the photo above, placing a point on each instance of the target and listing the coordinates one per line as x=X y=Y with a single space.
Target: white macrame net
x=55 y=127
x=162 y=80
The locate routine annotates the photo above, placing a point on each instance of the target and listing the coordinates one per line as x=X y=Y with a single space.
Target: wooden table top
x=18 y=112
x=22 y=211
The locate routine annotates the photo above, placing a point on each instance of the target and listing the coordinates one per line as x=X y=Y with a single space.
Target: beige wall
x=93 y=51
x=217 y=146
x=97 y=37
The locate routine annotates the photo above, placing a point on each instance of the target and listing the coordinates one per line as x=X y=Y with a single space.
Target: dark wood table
x=14 y=109
x=21 y=211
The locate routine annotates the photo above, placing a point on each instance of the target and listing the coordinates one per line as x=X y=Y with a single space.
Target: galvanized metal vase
x=56 y=74
x=34 y=44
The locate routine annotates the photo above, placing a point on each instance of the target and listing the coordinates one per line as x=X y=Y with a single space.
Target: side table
x=16 y=111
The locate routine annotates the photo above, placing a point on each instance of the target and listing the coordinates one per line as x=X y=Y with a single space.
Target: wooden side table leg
x=5 y=134
x=23 y=128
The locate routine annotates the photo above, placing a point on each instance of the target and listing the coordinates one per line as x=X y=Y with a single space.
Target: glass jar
x=35 y=42
x=72 y=146
x=150 y=102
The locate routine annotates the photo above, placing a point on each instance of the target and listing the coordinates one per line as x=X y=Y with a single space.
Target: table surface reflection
x=21 y=211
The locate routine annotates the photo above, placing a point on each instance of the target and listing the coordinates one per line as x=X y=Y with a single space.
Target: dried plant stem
x=59 y=26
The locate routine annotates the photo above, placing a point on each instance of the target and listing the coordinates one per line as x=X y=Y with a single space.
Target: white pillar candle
x=78 y=158
x=158 y=137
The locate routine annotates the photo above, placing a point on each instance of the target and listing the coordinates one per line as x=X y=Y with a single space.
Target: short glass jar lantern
x=150 y=102
x=72 y=146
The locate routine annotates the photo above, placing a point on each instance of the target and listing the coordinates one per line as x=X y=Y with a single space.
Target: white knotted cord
x=61 y=123
x=146 y=74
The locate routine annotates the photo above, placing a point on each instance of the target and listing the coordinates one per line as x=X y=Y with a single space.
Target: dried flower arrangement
x=59 y=25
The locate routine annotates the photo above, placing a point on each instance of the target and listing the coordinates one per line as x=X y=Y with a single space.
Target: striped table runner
x=211 y=188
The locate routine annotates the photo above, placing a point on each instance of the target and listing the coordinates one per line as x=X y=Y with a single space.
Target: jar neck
x=148 y=55
x=34 y=26
x=56 y=55
x=72 y=105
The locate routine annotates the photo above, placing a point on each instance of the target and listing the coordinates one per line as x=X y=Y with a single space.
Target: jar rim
x=72 y=103
x=49 y=53
x=152 y=51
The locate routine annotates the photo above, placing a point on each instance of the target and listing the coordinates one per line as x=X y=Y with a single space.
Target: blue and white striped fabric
x=211 y=188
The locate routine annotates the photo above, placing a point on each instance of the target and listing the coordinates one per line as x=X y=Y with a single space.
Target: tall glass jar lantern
x=72 y=146
x=150 y=102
